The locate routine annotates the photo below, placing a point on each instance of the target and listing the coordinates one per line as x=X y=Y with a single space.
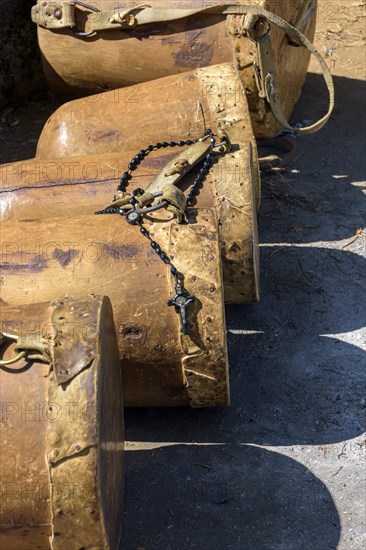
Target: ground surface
x=284 y=467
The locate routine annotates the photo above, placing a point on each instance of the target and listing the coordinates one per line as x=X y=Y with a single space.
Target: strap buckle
x=61 y=15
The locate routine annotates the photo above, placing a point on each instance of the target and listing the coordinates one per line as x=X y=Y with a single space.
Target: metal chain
x=135 y=216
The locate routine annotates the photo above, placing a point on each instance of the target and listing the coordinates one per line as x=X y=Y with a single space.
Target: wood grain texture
x=62 y=466
x=44 y=189
x=67 y=186
x=174 y=108
x=77 y=67
x=105 y=255
x=183 y=107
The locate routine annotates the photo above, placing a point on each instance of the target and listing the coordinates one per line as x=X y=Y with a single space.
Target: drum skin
x=62 y=443
x=76 y=66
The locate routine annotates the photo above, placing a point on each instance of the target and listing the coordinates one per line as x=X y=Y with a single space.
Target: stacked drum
x=160 y=141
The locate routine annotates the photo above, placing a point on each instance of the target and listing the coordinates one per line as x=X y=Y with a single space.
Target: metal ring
x=148 y=209
x=4 y=336
x=91 y=8
x=259 y=38
x=83 y=34
x=224 y=143
x=15 y=359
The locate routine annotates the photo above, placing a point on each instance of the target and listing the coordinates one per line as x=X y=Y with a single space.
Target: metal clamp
x=134 y=216
x=91 y=8
x=54 y=15
x=60 y=15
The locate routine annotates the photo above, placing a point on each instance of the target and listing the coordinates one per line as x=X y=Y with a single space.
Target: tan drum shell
x=68 y=186
x=174 y=108
x=170 y=109
x=62 y=445
x=77 y=67
x=44 y=258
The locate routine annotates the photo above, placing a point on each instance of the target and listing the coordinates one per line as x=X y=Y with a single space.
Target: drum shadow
x=294 y=381
x=296 y=373
x=294 y=378
x=319 y=197
x=227 y=496
x=297 y=368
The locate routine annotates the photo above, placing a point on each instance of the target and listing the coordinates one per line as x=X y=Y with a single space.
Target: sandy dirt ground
x=283 y=468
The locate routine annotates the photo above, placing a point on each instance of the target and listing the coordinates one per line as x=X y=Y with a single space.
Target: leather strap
x=249 y=15
x=285 y=155
x=267 y=81
x=176 y=201
x=179 y=166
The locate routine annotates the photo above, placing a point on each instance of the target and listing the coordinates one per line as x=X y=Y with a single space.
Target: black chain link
x=182 y=297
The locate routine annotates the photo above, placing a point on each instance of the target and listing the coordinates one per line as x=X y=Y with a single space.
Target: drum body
x=62 y=433
x=174 y=108
x=178 y=107
x=78 y=66
x=104 y=254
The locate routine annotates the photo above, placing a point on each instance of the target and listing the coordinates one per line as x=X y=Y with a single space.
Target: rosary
x=133 y=209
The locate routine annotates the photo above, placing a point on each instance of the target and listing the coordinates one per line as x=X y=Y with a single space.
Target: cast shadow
x=319 y=197
x=224 y=496
x=297 y=374
x=294 y=378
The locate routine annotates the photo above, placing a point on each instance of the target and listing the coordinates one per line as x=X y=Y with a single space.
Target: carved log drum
x=77 y=66
x=68 y=186
x=61 y=444
x=105 y=255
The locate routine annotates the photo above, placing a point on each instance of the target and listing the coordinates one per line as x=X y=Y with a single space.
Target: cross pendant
x=180 y=301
